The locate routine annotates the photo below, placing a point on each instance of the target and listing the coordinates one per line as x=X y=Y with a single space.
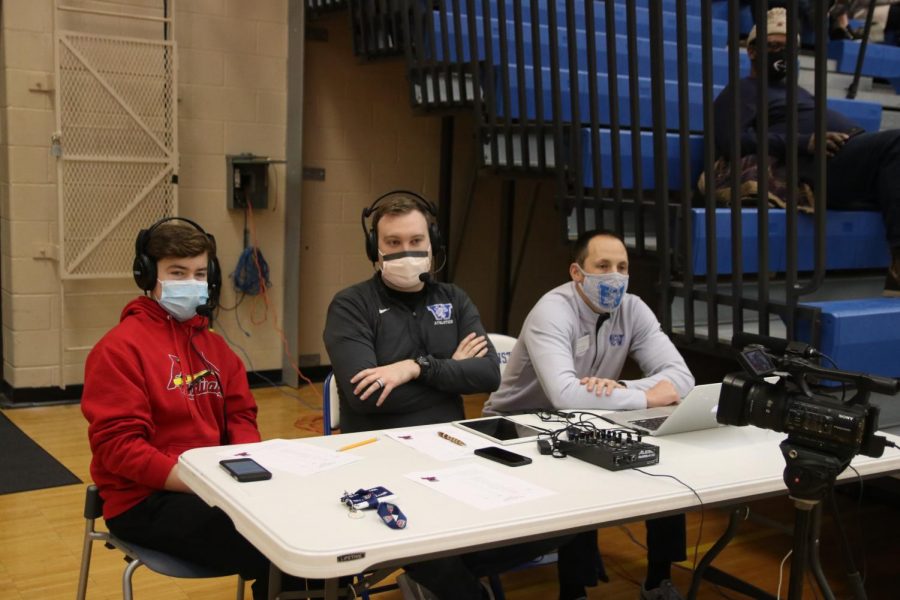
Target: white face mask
x=402 y=269
x=605 y=290
x=180 y=298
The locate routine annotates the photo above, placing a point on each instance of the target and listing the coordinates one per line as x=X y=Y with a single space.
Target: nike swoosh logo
x=381 y=311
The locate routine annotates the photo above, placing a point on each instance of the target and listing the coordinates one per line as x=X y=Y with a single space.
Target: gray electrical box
x=247 y=181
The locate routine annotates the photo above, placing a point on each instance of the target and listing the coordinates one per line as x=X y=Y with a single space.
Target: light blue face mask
x=605 y=290
x=180 y=298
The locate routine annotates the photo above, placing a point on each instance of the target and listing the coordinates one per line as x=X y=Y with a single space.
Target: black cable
x=552 y=435
x=237 y=319
x=608 y=420
x=236 y=304
x=523 y=244
x=275 y=385
x=843 y=383
x=576 y=422
x=631 y=537
x=454 y=261
x=699 y=499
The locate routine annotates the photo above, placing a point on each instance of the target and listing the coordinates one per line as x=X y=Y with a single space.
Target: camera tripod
x=810 y=475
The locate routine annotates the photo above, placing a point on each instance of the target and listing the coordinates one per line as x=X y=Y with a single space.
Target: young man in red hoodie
x=160 y=383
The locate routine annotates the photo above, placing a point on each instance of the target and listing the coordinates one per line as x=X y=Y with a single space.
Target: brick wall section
x=31 y=327
x=232 y=99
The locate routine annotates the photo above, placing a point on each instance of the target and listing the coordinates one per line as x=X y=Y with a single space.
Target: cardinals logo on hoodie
x=202 y=382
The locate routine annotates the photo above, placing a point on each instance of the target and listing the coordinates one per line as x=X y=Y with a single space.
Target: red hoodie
x=149 y=396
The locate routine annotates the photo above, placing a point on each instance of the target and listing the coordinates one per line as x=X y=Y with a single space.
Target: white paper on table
x=479 y=486
x=291 y=456
x=427 y=441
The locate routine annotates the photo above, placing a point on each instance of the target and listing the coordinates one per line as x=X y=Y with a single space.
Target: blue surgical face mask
x=180 y=298
x=605 y=290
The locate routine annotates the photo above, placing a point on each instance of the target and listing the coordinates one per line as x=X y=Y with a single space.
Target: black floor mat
x=24 y=465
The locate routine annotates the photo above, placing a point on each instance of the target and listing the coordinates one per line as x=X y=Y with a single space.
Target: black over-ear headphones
x=434 y=233
x=144 y=266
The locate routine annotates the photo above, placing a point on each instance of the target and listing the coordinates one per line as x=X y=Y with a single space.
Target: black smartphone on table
x=245 y=469
x=503 y=456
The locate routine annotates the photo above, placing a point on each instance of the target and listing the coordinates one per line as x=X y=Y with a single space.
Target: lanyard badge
x=391 y=515
x=377 y=498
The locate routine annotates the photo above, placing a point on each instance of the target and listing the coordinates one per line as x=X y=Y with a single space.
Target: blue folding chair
x=158 y=562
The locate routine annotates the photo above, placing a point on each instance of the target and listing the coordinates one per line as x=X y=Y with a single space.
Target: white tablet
x=500 y=430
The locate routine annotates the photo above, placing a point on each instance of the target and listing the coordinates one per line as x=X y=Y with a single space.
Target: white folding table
x=302 y=527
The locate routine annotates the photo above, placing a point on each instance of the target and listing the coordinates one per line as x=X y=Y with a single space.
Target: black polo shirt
x=369 y=325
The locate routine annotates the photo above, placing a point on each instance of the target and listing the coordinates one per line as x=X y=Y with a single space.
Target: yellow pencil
x=357 y=444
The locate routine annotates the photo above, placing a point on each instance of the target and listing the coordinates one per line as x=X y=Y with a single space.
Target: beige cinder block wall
x=232 y=99
x=358 y=125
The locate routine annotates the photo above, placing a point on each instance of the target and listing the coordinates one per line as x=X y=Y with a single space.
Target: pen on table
x=451 y=439
x=357 y=444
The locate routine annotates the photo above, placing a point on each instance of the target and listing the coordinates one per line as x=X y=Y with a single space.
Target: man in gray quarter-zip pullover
x=570 y=354
x=567 y=349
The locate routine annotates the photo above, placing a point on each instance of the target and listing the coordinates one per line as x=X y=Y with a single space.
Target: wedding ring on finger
x=380 y=383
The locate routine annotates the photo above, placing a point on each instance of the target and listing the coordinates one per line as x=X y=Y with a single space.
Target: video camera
x=812 y=419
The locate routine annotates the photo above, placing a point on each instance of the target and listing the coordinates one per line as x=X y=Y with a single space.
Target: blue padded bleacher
x=866 y=114
x=854 y=240
x=860 y=335
x=693 y=6
x=695 y=99
x=670 y=66
x=881 y=60
x=642 y=20
x=844 y=227
x=673 y=159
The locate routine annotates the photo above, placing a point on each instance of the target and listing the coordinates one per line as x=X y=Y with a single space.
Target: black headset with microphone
x=371 y=235
x=144 y=266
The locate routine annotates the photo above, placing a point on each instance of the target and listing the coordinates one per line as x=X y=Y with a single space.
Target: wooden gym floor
x=41 y=531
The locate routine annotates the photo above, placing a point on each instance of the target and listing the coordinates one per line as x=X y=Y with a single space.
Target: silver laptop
x=696 y=411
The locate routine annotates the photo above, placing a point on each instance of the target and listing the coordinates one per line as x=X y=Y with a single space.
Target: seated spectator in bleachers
x=839 y=22
x=805 y=9
x=885 y=20
x=863 y=168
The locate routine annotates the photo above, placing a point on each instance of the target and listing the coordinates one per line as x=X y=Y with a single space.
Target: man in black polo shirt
x=404 y=348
